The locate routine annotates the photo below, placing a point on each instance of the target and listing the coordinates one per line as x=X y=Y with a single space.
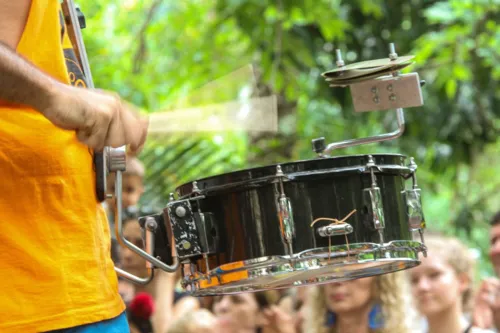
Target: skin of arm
x=20 y=81
x=99 y=118
x=23 y=83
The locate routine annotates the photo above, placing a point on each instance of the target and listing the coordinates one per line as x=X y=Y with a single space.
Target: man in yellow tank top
x=55 y=267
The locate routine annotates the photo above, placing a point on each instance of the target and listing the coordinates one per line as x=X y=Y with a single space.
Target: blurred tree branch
x=141 y=52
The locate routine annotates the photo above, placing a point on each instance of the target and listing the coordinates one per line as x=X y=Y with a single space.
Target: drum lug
x=285 y=213
x=413 y=199
x=373 y=201
x=286 y=219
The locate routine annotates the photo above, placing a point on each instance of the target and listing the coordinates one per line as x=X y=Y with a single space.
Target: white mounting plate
x=387 y=93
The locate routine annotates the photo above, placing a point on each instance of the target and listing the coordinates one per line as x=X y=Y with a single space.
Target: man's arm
x=100 y=119
x=23 y=83
x=20 y=81
x=13 y=18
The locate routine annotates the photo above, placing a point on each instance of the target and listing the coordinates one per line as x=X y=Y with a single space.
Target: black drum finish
x=244 y=205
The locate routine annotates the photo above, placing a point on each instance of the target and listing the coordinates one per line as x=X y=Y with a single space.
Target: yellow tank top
x=55 y=265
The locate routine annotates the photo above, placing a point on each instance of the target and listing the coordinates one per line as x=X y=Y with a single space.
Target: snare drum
x=298 y=223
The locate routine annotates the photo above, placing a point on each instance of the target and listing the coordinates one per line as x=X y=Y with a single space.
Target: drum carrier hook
x=117 y=163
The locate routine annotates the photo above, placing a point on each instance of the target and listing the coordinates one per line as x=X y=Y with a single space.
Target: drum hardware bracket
x=208 y=233
x=285 y=213
x=184 y=228
x=208 y=245
x=388 y=92
x=195 y=232
x=379 y=92
x=373 y=200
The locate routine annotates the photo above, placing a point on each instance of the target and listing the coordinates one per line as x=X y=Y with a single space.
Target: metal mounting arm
x=116 y=160
x=319 y=147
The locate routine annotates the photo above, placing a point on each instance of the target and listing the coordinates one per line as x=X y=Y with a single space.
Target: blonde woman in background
x=367 y=305
x=442 y=286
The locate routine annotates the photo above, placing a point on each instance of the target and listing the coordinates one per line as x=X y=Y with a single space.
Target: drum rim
x=392 y=252
x=186 y=189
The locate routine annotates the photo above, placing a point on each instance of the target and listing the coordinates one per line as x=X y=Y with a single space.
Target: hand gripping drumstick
x=74 y=32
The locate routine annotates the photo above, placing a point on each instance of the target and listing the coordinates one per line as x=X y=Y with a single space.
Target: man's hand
x=486 y=312
x=99 y=118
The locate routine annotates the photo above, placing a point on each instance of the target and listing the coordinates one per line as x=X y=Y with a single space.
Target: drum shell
x=244 y=205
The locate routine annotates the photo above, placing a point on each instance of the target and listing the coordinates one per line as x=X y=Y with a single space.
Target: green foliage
x=159 y=54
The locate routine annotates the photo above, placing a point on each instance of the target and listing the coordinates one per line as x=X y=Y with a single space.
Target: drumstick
x=224 y=104
x=251 y=115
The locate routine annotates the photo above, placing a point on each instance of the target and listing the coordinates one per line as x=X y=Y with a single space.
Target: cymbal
x=367 y=67
x=341 y=82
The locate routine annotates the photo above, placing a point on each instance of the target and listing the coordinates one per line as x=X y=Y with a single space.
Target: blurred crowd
x=441 y=295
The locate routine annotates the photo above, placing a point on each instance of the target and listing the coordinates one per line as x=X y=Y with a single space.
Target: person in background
x=132 y=184
x=168 y=304
x=486 y=312
x=371 y=304
x=252 y=313
x=442 y=285
x=197 y=321
x=294 y=303
x=139 y=313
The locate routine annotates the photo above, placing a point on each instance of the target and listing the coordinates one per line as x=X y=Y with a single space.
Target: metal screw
x=374 y=90
x=413 y=164
x=279 y=171
x=389 y=87
x=151 y=224
x=180 y=211
x=195 y=187
x=392 y=52
x=340 y=62
x=371 y=161
x=375 y=99
x=392 y=97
